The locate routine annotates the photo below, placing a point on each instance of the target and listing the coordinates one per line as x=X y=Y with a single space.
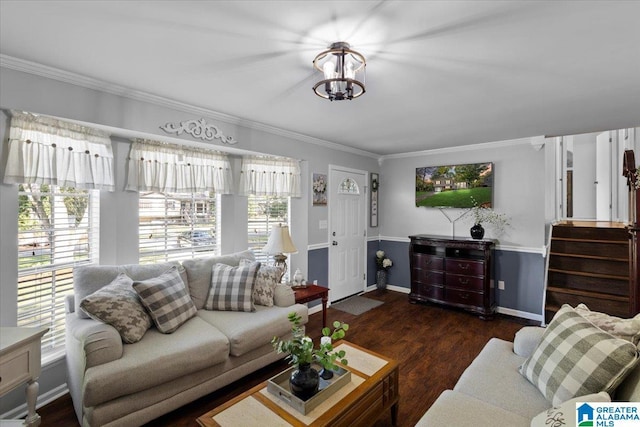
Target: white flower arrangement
x=381 y=262
x=319 y=185
x=484 y=215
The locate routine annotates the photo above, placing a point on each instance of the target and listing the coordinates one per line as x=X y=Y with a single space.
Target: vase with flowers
x=383 y=264
x=301 y=353
x=483 y=214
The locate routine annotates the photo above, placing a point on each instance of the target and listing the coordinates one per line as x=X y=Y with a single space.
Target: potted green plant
x=301 y=353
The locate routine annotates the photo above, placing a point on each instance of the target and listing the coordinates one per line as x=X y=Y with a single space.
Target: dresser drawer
x=428 y=262
x=430 y=292
x=456 y=296
x=14 y=370
x=465 y=282
x=428 y=277
x=465 y=266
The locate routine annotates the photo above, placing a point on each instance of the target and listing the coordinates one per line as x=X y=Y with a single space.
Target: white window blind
x=58 y=229
x=177 y=226
x=263 y=212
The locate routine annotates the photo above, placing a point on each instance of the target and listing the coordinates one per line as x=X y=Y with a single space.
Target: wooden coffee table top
x=373 y=390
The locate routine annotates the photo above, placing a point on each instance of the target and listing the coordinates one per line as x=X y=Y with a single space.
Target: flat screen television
x=455 y=186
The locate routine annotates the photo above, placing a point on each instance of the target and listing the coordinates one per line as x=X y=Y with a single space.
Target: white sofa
x=117 y=384
x=492 y=391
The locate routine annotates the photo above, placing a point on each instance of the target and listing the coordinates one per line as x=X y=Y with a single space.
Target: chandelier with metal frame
x=343 y=71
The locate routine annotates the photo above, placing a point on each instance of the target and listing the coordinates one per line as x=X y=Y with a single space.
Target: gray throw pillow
x=167 y=300
x=232 y=287
x=118 y=305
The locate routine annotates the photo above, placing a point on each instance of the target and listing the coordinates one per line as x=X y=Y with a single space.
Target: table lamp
x=278 y=244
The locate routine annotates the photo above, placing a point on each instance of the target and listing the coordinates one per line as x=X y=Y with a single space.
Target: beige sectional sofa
x=492 y=391
x=117 y=384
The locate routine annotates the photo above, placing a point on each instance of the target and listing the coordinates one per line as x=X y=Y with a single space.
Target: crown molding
x=41 y=70
x=459 y=148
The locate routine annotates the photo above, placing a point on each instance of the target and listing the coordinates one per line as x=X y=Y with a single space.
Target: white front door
x=347 y=232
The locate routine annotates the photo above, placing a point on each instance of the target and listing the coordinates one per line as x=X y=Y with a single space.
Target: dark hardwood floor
x=432 y=344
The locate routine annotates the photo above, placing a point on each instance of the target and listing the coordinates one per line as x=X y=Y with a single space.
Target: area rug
x=356 y=305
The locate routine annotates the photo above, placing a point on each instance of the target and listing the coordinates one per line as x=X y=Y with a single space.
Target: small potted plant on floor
x=301 y=353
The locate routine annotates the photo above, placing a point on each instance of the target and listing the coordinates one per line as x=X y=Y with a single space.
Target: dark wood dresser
x=455 y=272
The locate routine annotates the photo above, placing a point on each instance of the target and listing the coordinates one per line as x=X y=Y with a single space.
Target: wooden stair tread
x=582 y=273
x=590 y=294
x=604 y=258
x=573 y=239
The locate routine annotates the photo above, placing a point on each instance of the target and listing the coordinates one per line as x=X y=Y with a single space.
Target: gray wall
x=523 y=189
x=133 y=115
x=519 y=192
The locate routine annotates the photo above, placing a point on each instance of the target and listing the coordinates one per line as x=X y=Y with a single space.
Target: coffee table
x=372 y=391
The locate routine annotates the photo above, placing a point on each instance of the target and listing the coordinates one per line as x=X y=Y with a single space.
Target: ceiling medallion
x=198 y=129
x=343 y=72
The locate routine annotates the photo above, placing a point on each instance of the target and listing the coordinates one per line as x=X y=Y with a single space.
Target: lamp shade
x=280 y=241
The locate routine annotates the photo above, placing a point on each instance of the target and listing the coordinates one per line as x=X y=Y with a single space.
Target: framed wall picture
x=319 y=189
x=374 y=200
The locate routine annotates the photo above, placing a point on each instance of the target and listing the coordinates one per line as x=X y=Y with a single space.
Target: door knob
x=334 y=243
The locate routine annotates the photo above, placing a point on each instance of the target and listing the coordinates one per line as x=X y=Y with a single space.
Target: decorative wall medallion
x=198 y=129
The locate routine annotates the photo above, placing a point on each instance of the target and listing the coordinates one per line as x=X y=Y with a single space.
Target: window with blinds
x=177 y=226
x=264 y=211
x=58 y=229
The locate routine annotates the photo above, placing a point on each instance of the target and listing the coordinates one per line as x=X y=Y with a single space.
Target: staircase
x=589 y=263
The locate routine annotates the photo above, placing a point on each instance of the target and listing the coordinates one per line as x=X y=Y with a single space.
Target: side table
x=311 y=293
x=20 y=363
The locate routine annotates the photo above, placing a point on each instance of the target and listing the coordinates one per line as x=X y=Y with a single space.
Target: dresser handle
x=464 y=296
x=463 y=266
x=463 y=281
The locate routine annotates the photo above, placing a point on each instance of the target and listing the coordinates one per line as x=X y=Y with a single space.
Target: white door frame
x=365 y=212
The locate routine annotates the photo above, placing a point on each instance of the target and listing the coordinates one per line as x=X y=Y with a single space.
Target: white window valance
x=168 y=168
x=44 y=150
x=270 y=176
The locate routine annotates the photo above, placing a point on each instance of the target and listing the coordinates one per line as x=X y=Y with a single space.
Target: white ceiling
x=439 y=73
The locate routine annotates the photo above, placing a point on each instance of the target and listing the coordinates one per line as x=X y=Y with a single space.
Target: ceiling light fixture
x=343 y=73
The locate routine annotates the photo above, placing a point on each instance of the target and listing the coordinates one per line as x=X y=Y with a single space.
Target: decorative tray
x=279 y=386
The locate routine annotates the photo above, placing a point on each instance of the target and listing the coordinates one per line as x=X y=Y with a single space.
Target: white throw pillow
x=267 y=278
x=565 y=413
x=627 y=329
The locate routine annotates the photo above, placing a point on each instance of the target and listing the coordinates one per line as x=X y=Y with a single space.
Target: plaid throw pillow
x=575 y=358
x=232 y=287
x=118 y=305
x=167 y=300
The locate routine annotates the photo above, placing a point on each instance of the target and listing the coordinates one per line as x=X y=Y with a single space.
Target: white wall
x=519 y=192
x=584 y=176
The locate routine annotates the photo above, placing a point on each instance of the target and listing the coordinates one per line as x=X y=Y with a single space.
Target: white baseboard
x=501 y=310
x=521 y=314
x=43 y=399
